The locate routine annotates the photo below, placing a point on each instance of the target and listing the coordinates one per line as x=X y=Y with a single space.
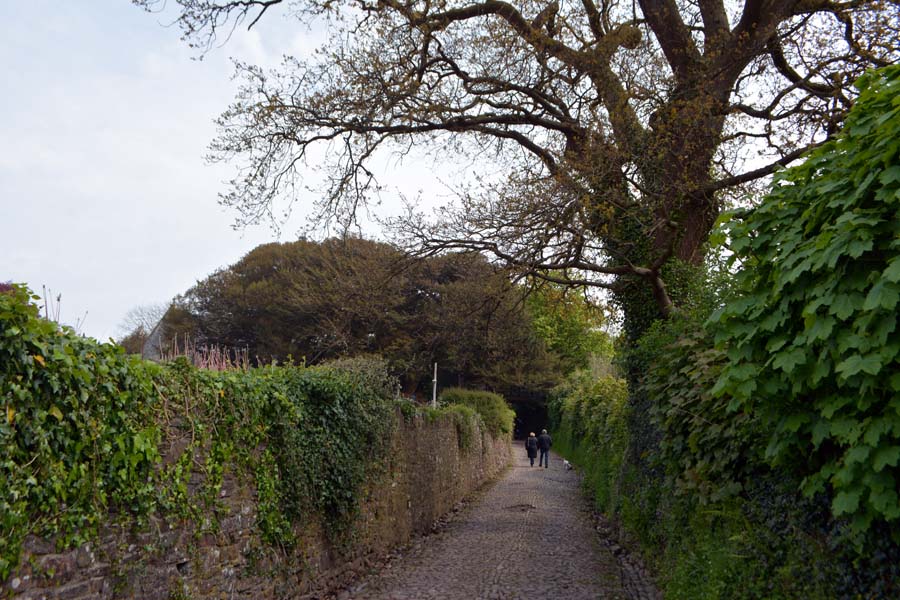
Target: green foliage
x=711 y=549
x=75 y=433
x=569 y=324
x=467 y=422
x=307 y=435
x=81 y=424
x=708 y=450
x=352 y=297
x=589 y=418
x=717 y=552
x=370 y=371
x=492 y=408
x=812 y=341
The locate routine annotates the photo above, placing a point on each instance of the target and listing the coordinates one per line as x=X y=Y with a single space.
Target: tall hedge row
x=776 y=472
x=812 y=341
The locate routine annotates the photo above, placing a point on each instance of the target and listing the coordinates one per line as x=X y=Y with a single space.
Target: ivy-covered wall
x=122 y=478
x=422 y=477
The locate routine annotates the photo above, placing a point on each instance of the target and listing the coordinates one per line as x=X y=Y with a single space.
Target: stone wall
x=424 y=476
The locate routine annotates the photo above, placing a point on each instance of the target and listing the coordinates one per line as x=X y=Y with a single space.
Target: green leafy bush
x=812 y=341
x=493 y=409
x=701 y=546
x=707 y=449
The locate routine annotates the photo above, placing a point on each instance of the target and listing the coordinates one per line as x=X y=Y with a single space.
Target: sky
x=105 y=116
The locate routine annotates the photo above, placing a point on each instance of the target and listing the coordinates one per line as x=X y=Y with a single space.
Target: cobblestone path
x=528 y=536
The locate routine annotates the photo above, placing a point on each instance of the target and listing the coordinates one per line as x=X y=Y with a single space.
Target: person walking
x=531 y=447
x=544 y=442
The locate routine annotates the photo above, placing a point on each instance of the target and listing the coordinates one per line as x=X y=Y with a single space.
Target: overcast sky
x=104 y=121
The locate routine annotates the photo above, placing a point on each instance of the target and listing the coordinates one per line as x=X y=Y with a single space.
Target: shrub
x=589 y=418
x=493 y=409
x=707 y=449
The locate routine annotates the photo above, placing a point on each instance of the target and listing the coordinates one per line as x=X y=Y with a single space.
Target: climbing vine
x=76 y=435
x=85 y=429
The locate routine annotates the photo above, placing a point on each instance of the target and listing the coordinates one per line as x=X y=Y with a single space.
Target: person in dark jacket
x=544 y=443
x=531 y=446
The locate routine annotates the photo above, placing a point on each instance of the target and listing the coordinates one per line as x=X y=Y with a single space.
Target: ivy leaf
x=845 y=430
x=39 y=359
x=794 y=422
x=857 y=248
x=54 y=410
x=833 y=404
x=821 y=370
x=821 y=328
x=886 y=457
x=884 y=294
x=857 y=454
x=820 y=431
x=788 y=361
x=846 y=502
x=892 y=272
x=890 y=175
x=875 y=430
x=886 y=502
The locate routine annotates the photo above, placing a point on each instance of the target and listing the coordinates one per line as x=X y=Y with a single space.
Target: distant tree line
x=313 y=302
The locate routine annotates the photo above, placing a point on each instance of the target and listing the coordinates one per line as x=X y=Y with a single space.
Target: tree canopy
x=620 y=124
x=349 y=297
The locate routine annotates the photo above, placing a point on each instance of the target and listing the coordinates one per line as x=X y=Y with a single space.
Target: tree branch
x=760 y=172
x=673 y=36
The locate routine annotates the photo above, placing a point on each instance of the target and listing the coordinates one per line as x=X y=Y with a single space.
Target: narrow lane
x=528 y=536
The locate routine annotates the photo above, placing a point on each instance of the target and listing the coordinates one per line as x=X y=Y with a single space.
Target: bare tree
x=144 y=316
x=138 y=323
x=620 y=123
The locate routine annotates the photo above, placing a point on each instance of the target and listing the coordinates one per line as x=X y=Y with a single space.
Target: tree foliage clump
x=492 y=408
x=811 y=340
x=349 y=297
x=618 y=124
x=570 y=324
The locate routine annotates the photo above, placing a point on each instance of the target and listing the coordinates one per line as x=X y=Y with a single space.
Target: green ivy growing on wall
x=812 y=341
x=85 y=429
x=75 y=432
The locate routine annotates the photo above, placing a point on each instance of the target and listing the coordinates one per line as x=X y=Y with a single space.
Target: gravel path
x=529 y=535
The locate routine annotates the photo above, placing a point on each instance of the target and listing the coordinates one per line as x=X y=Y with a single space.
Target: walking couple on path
x=542 y=443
